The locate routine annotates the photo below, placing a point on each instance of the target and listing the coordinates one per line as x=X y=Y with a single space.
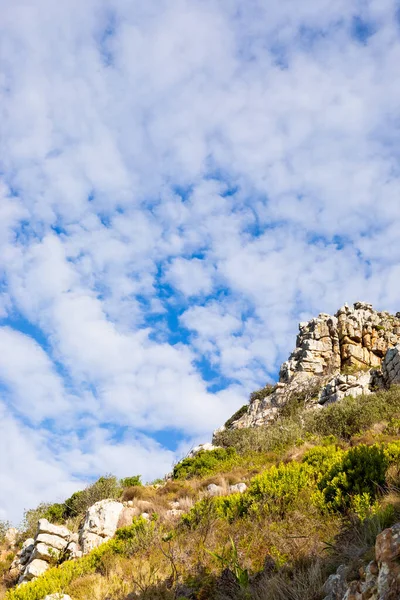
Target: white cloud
x=137 y=138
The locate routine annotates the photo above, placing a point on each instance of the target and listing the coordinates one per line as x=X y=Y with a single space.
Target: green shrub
x=205 y=463
x=322 y=458
x=351 y=416
x=361 y=471
x=4 y=525
x=105 y=487
x=262 y=393
x=239 y=413
x=278 y=436
x=133 y=481
x=278 y=488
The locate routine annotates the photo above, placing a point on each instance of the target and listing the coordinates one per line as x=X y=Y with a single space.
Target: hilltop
x=298 y=498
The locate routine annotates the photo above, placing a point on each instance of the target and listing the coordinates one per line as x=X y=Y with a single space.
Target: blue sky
x=180 y=184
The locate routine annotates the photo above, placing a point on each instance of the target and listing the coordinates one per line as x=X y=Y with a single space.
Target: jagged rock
x=100 y=524
x=346 y=385
x=387 y=552
x=238 y=487
x=49 y=543
x=391 y=366
x=57 y=597
x=357 y=338
x=380 y=580
x=336 y=585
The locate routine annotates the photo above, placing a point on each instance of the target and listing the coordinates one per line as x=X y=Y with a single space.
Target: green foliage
x=232 y=563
x=239 y=413
x=262 y=393
x=31 y=518
x=206 y=462
x=131 y=481
x=322 y=459
x=55 y=513
x=351 y=416
x=282 y=434
x=361 y=471
x=278 y=488
x=105 y=487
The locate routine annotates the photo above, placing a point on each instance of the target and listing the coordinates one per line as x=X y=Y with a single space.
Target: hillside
x=298 y=499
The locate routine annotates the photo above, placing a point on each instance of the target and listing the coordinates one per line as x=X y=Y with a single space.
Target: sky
x=181 y=183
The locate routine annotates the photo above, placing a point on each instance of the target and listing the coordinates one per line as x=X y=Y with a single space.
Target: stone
x=34 y=569
x=173 y=513
x=238 y=488
x=215 y=490
x=51 y=540
x=57 y=597
x=101 y=520
x=336 y=585
x=387 y=552
x=45 y=527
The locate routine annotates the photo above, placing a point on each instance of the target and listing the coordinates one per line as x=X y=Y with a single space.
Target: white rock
x=51 y=540
x=44 y=552
x=57 y=597
x=45 y=527
x=101 y=520
x=202 y=447
x=35 y=568
x=215 y=490
x=238 y=487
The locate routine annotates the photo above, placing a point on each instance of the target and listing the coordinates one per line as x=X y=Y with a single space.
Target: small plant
x=232 y=563
x=205 y=463
x=239 y=413
x=133 y=481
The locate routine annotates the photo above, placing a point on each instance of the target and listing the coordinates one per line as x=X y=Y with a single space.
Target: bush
x=239 y=413
x=361 y=471
x=322 y=458
x=351 y=416
x=105 y=487
x=278 y=488
x=133 y=481
x=262 y=393
x=205 y=463
x=4 y=525
x=277 y=436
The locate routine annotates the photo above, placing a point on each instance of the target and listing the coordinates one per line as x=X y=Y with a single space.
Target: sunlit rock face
x=335 y=356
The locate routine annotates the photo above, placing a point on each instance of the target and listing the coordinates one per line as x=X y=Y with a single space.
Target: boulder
x=45 y=527
x=11 y=537
x=34 y=569
x=100 y=524
x=57 y=597
x=202 y=448
x=387 y=552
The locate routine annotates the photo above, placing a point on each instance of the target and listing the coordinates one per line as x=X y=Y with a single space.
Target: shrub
x=322 y=458
x=361 y=471
x=351 y=416
x=239 y=413
x=133 y=481
x=31 y=518
x=205 y=463
x=277 y=436
x=4 y=525
x=278 y=488
x=105 y=487
x=262 y=393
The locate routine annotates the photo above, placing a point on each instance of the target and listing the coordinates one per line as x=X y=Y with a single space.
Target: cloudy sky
x=181 y=182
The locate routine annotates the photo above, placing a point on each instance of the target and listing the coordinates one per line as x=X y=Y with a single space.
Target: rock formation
x=335 y=356
x=379 y=580
x=37 y=554
x=100 y=524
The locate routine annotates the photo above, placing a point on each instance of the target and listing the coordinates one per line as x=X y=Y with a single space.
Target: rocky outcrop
x=379 y=580
x=100 y=524
x=335 y=356
x=39 y=553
